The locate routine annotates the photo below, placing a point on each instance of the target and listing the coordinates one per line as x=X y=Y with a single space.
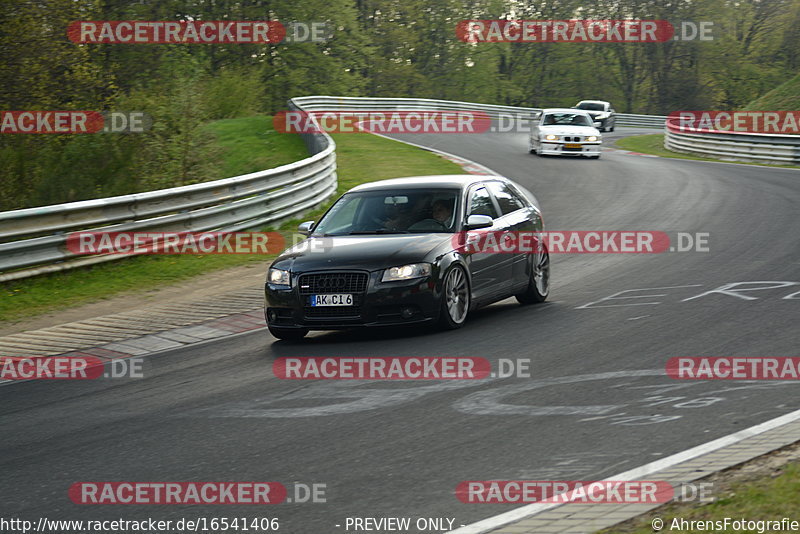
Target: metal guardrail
x=353 y=103
x=33 y=240
x=733 y=146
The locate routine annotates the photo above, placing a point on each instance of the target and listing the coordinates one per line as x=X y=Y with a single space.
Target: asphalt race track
x=597 y=402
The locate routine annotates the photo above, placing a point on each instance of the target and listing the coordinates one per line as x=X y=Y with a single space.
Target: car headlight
x=279 y=277
x=603 y=116
x=551 y=137
x=592 y=138
x=406 y=272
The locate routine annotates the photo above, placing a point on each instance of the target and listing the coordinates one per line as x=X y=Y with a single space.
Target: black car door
x=490 y=268
x=519 y=218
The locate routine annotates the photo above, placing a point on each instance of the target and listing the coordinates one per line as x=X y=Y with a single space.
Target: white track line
x=637 y=473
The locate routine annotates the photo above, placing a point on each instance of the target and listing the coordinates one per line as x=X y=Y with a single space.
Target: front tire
x=539 y=282
x=288 y=334
x=455 y=299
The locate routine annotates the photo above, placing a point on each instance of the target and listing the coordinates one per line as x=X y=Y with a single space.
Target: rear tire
x=289 y=334
x=455 y=299
x=539 y=282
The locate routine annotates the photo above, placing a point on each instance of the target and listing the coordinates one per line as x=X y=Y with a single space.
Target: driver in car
x=441 y=211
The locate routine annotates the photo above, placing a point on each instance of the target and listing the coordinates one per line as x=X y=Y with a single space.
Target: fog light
x=272 y=315
x=407 y=312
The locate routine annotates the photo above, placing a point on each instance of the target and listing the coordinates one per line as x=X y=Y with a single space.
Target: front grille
x=322 y=283
x=332 y=283
x=572 y=139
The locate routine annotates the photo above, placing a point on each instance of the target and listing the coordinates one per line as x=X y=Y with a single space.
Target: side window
x=522 y=199
x=480 y=203
x=506 y=198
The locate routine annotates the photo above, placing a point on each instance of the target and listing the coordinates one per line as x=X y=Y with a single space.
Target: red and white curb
x=629 y=153
x=161 y=341
x=141 y=332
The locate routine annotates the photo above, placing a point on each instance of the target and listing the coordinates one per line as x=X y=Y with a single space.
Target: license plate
x=332 y=300
x=572 y=145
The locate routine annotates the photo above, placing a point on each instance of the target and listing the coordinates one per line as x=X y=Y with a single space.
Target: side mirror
x=306 y=227
x=597 y=124
x=475 y=222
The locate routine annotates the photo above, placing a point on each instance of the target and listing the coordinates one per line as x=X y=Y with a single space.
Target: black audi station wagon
x=387 y=253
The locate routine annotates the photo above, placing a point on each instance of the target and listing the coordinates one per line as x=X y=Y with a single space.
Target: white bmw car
x=567 y=132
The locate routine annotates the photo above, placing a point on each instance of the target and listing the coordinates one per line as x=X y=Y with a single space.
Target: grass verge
x=654 y=144
x=249 y=145
x=768 y=493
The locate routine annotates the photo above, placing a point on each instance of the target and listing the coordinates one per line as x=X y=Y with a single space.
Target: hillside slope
x=785 y=97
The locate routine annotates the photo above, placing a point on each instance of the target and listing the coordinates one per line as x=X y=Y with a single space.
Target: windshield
x=566 y=119
x=591 y=106
x=399 y=211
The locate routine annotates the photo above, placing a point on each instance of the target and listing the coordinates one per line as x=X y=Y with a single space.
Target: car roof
x=563 y=110
x=451 y=181
x=444 y=181
x=594 y=102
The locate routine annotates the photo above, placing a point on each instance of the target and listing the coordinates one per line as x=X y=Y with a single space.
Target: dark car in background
x=387 y=253
x=600 y=111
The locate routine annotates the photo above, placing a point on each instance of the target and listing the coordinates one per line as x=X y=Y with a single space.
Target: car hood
x=370 y=252
x=559 y=129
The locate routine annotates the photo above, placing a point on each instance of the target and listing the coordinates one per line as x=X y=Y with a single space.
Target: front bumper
x=381 y=304
x=559 y=149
